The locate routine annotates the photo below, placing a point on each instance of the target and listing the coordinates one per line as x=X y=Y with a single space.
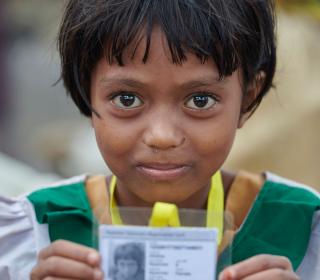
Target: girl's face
x=165 y=129
x=127 y=269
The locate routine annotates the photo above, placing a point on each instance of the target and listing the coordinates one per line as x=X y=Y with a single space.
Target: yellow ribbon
x=164 y=215
x=167 y=214
x=215 y=207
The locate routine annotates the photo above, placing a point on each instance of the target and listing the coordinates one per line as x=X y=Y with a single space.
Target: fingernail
x=97 y=273
x=231 y=274
x=93 y=258
x=227 y=275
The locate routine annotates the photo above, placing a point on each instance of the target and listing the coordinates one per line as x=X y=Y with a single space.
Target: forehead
x=144 y=51
x=159 y=64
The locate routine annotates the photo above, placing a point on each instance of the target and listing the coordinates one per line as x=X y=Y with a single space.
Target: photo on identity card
x=145 y=253
x=126 y=260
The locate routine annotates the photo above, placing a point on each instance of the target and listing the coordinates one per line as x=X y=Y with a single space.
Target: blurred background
x=44 y=138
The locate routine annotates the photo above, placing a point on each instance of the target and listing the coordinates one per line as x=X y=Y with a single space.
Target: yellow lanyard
x=166 y=214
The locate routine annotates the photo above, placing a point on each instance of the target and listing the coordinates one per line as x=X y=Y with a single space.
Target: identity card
x=146 y=253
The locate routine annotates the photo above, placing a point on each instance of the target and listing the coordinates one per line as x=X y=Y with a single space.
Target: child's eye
x=201 y=101
x=126 y=100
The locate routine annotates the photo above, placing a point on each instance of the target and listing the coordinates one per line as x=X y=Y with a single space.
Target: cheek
x=114 y=142
x=216 y=137
x=216 y=148
x=214 y=142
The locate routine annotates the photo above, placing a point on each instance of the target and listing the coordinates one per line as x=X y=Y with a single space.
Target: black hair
x=235 y=33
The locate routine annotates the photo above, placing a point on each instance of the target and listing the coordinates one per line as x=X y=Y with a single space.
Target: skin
x=163 y=132
x=67 y=260
x=162 y=148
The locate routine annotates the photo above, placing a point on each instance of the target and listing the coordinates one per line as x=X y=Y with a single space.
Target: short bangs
x=234 y=33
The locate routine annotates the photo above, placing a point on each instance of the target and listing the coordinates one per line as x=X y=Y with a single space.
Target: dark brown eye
x=127 y=101
x=200 y=102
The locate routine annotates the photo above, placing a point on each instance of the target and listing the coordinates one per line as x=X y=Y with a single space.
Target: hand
x=67 y=260
x=260 y=267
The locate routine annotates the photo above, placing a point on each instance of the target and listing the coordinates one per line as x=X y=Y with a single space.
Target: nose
x=163 y=132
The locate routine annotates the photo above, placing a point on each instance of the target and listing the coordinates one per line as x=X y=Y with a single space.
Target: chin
x=167 y=196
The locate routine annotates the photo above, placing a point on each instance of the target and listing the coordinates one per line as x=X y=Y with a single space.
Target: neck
x=198 y=200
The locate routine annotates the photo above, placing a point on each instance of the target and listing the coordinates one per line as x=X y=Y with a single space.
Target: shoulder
x=22 y=235
x=60 y=188
x=283 y=209
x=59 y=196
x=310 y=265
x=289 y=191
x=307 y=200
x=66 y=208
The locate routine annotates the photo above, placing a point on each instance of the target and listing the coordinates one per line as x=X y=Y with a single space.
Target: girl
x=166 y=85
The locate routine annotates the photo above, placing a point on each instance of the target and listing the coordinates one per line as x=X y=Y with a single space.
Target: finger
x=254 y=265
x=274 y=274
x=60 y=267
x=71 y=250
x=57 y=278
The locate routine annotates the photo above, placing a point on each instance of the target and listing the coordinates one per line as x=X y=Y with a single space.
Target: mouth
x=163 y=172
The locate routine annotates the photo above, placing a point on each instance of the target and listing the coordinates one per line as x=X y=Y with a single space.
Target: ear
x=251 y=92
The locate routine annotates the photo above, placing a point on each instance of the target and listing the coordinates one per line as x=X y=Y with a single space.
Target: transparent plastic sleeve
x=189 y=218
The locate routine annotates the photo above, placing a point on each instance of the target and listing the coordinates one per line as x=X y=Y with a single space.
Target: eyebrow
x=125 y=81
x=202 y=82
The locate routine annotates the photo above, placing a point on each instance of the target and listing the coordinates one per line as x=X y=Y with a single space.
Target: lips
x=162 y=171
